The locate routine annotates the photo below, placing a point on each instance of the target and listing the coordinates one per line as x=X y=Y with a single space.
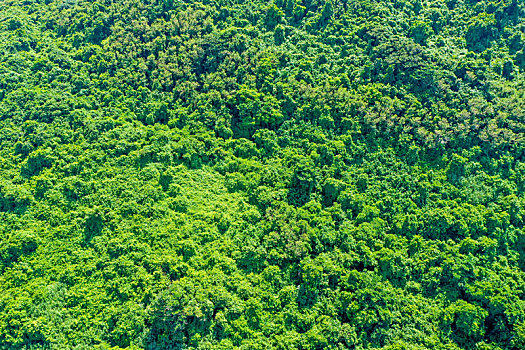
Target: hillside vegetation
x=297 y=174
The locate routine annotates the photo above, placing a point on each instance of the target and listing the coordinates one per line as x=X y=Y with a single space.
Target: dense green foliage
x=303 y=174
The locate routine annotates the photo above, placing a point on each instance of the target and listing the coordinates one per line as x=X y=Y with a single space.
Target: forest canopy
x=295 y=174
